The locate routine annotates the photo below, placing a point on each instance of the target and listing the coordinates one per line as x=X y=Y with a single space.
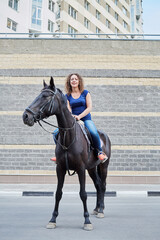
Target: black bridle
x=38 y=116
x=50 y=109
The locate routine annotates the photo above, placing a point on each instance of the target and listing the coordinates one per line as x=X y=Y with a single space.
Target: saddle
x=86 y=133
x=91 y=150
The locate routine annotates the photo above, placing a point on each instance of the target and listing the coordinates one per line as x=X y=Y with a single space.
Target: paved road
x=127 y=217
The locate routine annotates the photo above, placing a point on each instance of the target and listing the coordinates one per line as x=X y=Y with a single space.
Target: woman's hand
x=76 y=117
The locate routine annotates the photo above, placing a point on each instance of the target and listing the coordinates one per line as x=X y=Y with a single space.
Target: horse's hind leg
x=83 y=195
x=102 y=172
x=60 y=175
x=98 y=211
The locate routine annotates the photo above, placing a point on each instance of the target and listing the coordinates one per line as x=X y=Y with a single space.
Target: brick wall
x=124 y=80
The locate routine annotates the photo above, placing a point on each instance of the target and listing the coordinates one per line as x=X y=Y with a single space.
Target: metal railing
x=60 y=35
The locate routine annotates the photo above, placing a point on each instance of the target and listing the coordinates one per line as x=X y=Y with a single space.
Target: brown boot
x=53 y=159
x=102 y=156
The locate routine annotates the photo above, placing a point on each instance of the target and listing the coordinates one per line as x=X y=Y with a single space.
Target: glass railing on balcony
x=58 y=15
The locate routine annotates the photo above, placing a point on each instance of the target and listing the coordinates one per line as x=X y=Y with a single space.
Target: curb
x=89 y=194
x=107 y=194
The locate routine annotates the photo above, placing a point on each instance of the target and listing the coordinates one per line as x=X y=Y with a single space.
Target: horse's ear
x=44 y=83
x=52 y=84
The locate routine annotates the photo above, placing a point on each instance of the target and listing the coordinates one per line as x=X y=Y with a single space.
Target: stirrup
x=102 y=156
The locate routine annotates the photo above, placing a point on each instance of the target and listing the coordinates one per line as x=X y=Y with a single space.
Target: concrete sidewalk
x=119 y=189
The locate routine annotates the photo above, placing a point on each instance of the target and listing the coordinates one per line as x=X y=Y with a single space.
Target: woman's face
x=74 y=81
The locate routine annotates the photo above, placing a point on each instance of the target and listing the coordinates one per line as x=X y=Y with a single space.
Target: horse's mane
x=63 y=97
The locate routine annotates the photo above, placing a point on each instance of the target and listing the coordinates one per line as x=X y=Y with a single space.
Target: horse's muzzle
x=28 y=118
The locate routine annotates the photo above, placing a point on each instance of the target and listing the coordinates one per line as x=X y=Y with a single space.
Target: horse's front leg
x=83 y=195
x=60 y=176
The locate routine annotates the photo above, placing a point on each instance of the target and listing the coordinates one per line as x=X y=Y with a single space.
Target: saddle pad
x=84 y=130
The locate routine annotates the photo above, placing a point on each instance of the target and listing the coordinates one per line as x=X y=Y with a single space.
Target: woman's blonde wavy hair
x=68 y=87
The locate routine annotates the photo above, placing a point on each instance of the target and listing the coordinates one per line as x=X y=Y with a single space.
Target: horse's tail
x=106 y=142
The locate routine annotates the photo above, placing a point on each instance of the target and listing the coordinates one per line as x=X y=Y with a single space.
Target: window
x=98 y=1
x=116 y=2
x=51 y=5
x=50 y=26
x=13 y=4
x=107 y=23
x=98 y=30
x=116 y=16
x=11 y=24
x=86 y=22
x=72 y=31
x=124 y=10
x=72 y=12
x=98 y=14
x=86 y=5
x=116 y=30
x=125 y=25
x=107 y=7
x=14 y=26
x=132 y=19
x=36 y=14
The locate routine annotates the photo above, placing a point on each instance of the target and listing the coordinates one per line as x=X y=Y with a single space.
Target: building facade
x=27 y=16
x=71 y=16
x=100 y=16
x=123 y=79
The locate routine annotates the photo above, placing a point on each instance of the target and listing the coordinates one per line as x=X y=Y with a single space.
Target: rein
x=51 y=104
x=63 y=146
x=63 y=129
x=67 y=148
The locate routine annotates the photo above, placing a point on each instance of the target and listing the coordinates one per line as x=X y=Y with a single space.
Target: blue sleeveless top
x=79 y=105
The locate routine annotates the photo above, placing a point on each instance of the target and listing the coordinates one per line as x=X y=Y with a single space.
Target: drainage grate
x=29 y=193
x=154 y=194
x=107 y=194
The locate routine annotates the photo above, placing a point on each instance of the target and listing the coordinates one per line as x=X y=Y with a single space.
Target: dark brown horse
x=72 y=149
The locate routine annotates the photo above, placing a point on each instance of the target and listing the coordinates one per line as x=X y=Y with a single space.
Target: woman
x=80 y=105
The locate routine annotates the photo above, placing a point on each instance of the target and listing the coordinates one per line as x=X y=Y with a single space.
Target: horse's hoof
x=51 y=225
x=94 y=212
x=100 y=215
x=88 y=227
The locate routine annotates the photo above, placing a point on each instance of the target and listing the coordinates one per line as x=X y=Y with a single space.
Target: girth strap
x=67 y=165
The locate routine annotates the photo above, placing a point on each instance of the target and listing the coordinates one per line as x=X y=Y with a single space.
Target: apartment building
x=27 y=16
x=71 y=16
x=100 y=16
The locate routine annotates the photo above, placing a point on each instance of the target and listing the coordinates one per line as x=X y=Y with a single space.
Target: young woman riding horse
x=79 y=103
x=72 y=149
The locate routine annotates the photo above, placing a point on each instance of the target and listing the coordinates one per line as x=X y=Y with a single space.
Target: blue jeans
x=55 y=134
x=89 y=124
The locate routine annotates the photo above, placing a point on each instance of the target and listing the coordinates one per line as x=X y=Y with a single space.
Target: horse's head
x=44 y=105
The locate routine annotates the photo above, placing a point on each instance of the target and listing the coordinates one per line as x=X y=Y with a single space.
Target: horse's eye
x=44 y=95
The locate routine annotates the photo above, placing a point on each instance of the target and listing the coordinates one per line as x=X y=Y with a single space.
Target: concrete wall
x=124 y=80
